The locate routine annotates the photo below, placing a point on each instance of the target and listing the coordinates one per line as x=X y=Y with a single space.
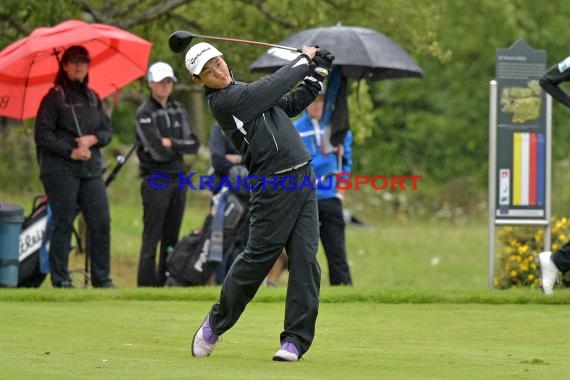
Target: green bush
x=19 y=170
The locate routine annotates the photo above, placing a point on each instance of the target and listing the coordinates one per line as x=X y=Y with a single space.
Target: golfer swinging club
x=256 y=116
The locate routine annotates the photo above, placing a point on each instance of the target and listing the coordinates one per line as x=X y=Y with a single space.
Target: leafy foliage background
x=436 y=126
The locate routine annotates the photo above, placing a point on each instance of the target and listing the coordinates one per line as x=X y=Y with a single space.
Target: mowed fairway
x=85 y=335
x=420 y=308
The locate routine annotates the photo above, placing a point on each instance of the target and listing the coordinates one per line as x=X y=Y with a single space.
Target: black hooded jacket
x=56 y=129
x=256 y=116
x=551 y=80
x=155 y=122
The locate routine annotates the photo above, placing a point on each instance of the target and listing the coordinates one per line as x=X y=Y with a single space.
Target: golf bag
x=197 y=255
x=32 y=242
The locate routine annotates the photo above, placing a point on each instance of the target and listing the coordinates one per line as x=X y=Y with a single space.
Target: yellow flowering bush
x=519 y=248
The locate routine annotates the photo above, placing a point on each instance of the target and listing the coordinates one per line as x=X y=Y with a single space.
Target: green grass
x=85 y=336
x=388 y=253
x=419 y=309
x=438 y=255
x=277 y=295
x=418 y=255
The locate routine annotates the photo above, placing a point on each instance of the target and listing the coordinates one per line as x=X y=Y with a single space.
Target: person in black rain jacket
x=71 y=127
x=553 y=262
x=256 y=117
x=164 y=135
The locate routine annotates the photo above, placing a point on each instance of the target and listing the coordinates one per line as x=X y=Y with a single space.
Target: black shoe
x=63 y=284
x=107 y=285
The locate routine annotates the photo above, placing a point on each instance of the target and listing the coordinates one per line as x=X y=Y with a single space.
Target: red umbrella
x=28 y=66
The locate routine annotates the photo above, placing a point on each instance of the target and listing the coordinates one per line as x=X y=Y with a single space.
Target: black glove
x=325 y=55
x=323 y=61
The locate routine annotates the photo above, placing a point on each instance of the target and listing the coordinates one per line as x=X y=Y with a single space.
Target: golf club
x=180 y=40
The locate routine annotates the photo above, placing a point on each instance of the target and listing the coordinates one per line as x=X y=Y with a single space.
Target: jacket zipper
x=269 y=129
x=167 y=117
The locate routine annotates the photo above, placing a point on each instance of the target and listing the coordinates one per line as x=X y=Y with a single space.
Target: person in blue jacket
x=327 y=161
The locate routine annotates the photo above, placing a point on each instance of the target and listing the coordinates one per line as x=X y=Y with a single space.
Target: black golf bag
x=199 y=254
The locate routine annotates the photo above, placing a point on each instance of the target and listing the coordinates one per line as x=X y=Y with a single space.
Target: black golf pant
x=278 y=218
x=332 y=236
x=67 y=195
x=234 y=248
x=561 y=258
x=163 y=211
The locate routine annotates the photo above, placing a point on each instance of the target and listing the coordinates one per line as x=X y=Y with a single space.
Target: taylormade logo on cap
x=199 y=55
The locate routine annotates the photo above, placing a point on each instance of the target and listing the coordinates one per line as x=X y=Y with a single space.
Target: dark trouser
x=67 y=194
x=234 y=248
x=561 y=258
x=278 y=218
x=332 y=236
x=163 y=211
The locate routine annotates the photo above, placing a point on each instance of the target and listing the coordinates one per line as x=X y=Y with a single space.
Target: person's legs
x=232 y=249
x=277 y=268
x=302 y=301
x=332 y=228
x=94 y=205
x=62 y=197
x=244 y=277
x=551 y=264
x=155 y=204
x=230 y=253
x=561 y=258
x=272 y=215
x=171 y=229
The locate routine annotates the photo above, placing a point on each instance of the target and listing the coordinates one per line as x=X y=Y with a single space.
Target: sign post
x=519 y=144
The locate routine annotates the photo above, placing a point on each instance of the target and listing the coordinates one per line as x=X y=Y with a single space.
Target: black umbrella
x=362 y=53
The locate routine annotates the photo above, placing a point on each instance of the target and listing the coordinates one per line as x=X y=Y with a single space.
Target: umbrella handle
x=76 y=121
x=56 y=56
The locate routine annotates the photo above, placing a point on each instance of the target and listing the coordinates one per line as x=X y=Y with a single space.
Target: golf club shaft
x=248 y=42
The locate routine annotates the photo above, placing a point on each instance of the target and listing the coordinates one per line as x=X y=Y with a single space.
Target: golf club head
x=180 y=40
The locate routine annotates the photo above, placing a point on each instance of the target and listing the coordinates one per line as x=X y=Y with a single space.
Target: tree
x=269 y=20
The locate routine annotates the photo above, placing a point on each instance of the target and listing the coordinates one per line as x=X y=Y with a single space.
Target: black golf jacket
x=56 y=130
x=551 y=80
x=153 y=122
x=256 y=116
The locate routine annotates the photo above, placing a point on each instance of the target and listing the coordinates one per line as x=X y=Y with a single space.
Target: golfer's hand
x=323 y=61
x=311 y=51
x=324 y=58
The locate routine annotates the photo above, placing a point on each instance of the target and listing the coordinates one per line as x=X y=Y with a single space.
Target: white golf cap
x=160 y=70
x=199 y=55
